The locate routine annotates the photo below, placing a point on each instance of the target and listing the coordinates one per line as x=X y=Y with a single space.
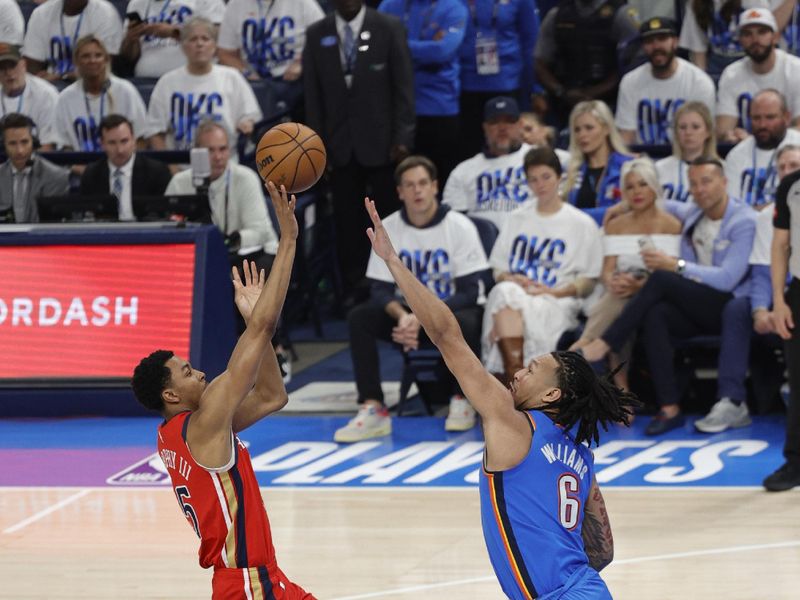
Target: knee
x=360 y=316
x=655 y=319
x=660 y=280
x=736 y=311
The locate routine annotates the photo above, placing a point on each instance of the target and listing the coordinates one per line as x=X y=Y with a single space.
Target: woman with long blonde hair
x=96 y=94
x=597 y=153
x=692 y=137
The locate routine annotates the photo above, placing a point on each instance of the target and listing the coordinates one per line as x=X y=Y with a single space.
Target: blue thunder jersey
x=532 y=517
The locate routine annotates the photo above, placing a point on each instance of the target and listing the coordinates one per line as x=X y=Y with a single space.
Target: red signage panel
x=92 y=311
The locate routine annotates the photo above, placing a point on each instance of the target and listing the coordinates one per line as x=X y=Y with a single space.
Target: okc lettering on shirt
x=501 y=190
x=268 y=46
x=87 y=131
x=431 y=268
x=654 y=120
x=680 y=193
x=743 y=106
x=61 y=54
x=759 y=187
x=537 y=259
x=186 y=112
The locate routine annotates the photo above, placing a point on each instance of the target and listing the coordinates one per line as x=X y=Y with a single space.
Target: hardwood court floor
x=381 y=543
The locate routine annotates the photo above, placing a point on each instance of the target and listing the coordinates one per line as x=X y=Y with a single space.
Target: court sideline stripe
x=626 y=561
x=50 y=509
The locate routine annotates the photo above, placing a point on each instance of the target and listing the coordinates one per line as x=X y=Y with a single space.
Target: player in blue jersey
x=544 y=518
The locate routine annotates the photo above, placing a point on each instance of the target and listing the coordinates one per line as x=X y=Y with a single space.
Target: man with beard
x=650 y=94
x=751 y=166
x=763 y=67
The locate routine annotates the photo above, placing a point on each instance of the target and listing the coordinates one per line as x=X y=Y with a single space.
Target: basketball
x=292 y=155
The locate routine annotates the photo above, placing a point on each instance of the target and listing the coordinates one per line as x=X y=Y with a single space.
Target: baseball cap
x=757 y=16
x=658 y=25
x=501 y=106
x=9 y=52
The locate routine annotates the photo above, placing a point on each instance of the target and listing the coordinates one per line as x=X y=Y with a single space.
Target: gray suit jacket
x=377 y=112
x=46 y=179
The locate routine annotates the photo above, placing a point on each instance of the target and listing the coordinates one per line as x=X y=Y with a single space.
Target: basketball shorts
x=255 y=583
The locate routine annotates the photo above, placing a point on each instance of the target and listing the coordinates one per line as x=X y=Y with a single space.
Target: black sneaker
x=785 y=478
x=285 y=365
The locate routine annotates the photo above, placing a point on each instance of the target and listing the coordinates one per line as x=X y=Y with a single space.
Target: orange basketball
x=291 y=154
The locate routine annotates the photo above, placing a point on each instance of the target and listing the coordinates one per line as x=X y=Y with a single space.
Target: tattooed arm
x=596 y=531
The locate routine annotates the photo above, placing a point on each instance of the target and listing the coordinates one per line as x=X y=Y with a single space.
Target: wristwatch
x=681 y=266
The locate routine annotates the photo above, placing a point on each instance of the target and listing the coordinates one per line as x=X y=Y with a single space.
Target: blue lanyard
x=77 y=28
x=681 y=162
x=473 y=11
x=102 y=104
x=261 y=13
x=758 y=183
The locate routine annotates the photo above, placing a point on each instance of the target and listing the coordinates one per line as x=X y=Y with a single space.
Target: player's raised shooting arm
x=596 y=530
x=486 y=394
x=211 y=424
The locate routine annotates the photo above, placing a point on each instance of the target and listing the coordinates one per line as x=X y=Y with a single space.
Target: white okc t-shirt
x=436 y=255
x=159 y=55
x=752 y=172
x=550 y=249
x=12 y=23
x=270 y=34
x=181 y=100
x=78 y=114
x=647 y=104
x=738 y=84
x=51 y=35
x=37 y=101
x=489 y=187
x=673 y=174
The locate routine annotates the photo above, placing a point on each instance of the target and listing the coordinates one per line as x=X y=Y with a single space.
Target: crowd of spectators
x=584 y=131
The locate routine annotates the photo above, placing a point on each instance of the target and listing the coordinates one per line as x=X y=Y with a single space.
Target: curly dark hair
x=150 y=377
x=588 y=398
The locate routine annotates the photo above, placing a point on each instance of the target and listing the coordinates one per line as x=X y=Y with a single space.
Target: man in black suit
x=359 y=94
x=123 y=173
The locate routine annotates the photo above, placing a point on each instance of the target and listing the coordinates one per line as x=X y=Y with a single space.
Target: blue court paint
x=299 y=451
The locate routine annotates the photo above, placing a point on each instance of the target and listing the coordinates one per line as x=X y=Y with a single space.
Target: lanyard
x=19 y=102
x=681 y=162
x=161 y=13
x=102 y=104
x=261 y=14
x=474 y=12
x=758 y=183
x=77 y=27
x=426 y=19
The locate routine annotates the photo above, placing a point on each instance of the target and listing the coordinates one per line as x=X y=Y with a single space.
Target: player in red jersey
x=209 y=466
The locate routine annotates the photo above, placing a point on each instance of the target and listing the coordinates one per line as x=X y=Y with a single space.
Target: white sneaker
x=285 y=365
x=370 y=422
x=461 y=416
x=723 y=415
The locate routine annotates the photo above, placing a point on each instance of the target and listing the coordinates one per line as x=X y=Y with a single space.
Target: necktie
x=116 y=184
x=116 y=189
x=349 y=48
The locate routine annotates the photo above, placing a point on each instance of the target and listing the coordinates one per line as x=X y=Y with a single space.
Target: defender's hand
x=377 y=235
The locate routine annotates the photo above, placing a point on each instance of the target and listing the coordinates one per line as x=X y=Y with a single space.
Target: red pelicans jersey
x=223 y=506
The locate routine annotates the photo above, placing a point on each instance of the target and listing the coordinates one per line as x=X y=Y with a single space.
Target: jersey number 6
x=182 y=493
x=569 y=507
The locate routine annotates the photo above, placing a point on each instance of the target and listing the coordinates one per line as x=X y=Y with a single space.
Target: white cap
x=757 y=16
